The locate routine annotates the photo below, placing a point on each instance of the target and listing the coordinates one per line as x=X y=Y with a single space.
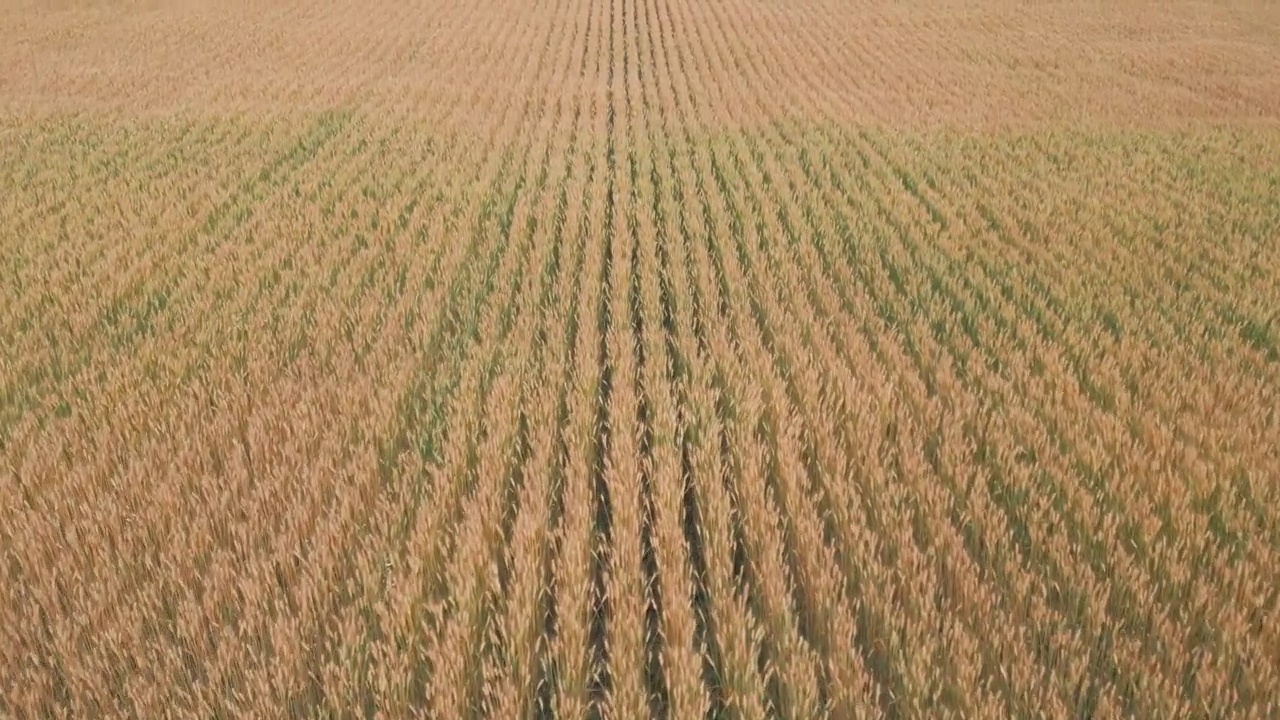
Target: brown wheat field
x=639 y=359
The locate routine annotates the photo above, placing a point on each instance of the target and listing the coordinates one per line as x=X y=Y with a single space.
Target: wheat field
x=639 y=359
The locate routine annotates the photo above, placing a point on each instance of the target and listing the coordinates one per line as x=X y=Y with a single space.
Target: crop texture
x=639 y=359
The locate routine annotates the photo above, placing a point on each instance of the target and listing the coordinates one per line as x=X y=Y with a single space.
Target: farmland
x=639 y=358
